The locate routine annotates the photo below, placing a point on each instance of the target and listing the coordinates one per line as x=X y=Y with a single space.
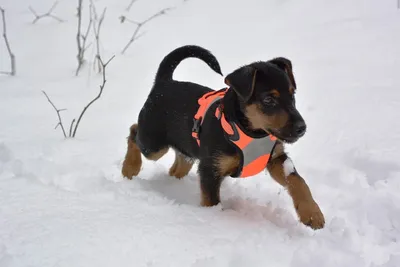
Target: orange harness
x=254 y=152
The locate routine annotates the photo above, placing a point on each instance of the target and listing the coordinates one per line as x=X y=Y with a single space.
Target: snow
x=64 y=202
x=288 y=167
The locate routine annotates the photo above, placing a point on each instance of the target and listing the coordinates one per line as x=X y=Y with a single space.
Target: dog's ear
x=242 y=81
x=285 y=65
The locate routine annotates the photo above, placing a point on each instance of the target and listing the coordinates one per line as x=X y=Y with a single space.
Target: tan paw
x=173 y=169
x=129 y=171
x=178 y=173
x=180 y=168
x=310 y=214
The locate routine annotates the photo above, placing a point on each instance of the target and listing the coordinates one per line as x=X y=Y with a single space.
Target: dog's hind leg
x=181 y=166
x=151 y=146
x=133 y=158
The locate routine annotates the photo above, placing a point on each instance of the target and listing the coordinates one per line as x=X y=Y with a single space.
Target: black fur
x=242 y=81
x=166 y=119
x=172 y=60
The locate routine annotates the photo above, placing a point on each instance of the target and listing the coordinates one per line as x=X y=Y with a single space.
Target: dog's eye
x=269 y=101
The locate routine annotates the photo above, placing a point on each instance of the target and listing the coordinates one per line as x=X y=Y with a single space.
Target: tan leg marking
x=307 y=209
x=133 y=158
x=205 y=200
x=227 y=164
x=181 y=166
x=157 y=155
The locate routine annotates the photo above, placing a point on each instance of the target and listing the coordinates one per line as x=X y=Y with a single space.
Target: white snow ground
x=64 y=202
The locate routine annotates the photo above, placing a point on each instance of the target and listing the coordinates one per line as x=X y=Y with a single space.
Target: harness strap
x=205 y=103
x=254 y=152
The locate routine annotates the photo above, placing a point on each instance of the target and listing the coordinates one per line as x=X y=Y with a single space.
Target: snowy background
x=64 y=202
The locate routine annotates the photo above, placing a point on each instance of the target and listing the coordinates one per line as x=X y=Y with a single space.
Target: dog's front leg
x=210 y=183
x=283 y=171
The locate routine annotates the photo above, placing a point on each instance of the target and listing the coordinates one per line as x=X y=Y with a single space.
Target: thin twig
x=130 y=5
x=47 y=14
x=12 y=56
x=96 y=30
x=104 y=65
x=139 y=25
x=81 y=39
x=70 y=127
x=58 y=114
x=78 y=38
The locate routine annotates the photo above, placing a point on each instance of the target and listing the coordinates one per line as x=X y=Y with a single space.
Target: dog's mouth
x=286 y=138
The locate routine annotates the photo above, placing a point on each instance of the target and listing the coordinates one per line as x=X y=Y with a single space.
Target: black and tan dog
x=260 y=101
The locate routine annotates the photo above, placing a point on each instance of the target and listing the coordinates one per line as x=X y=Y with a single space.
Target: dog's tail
x=172 y=60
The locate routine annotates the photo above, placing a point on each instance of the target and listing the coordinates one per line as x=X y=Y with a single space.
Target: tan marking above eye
x=275 y=93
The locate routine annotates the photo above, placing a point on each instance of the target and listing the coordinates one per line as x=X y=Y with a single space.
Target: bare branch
x=159 y=13
x=58 y=114
x=82 y=38
x=78 y=38
x=123 y=19
x=52 y=7
x=103 y=65
x=12 y=56
x=47 y=14
x=139 y=25
x=96 y=30
x=130 y=5
x=71 y=127
x=33 y=12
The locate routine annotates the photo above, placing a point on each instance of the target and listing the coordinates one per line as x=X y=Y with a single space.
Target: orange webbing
x=244 y=139
x=205 y=101
x=204 y=104
x=195 y=136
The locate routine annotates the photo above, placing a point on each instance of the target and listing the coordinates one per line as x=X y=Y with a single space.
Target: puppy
x=258 y=104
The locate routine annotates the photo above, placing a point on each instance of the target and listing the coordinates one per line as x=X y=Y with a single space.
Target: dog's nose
x=300 y=128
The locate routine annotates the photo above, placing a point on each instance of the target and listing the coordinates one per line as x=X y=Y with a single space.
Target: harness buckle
x=196 y=127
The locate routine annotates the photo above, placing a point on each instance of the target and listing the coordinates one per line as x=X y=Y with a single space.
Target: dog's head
x=266 y=91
